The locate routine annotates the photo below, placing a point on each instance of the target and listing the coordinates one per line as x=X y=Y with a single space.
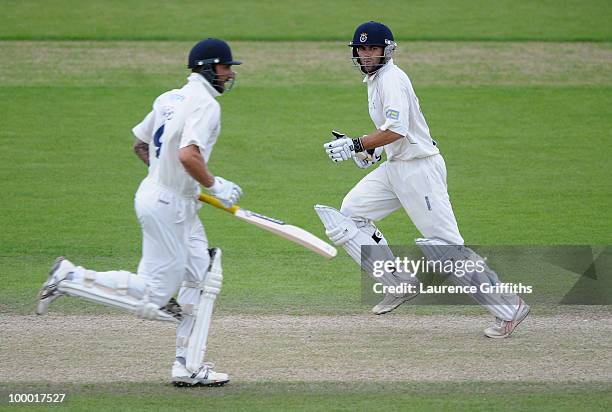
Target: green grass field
x=570 y=20
x=473 y=396
x=517 y=94
x=72 y=176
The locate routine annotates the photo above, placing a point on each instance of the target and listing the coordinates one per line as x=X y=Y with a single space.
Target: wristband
x=358 y=145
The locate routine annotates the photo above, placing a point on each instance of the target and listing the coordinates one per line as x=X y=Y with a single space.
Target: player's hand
x=224 y=190
x=366 y=159
x=342 y=147
x=340 y=150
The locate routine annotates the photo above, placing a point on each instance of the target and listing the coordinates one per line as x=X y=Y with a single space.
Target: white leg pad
x=118 y=289
x=352 y=234
x=202 y=313
x=501 y=305
x=188 y=299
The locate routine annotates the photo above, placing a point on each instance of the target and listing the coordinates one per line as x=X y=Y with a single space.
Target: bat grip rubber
x=213 y=201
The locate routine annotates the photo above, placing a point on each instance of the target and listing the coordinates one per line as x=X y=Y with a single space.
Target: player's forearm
x=195 y=165
x=379 y=138
x=141 y=149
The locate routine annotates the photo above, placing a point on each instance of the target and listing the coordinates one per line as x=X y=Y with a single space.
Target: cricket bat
x=278 y=227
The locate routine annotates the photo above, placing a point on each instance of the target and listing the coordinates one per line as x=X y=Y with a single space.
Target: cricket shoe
x=391 y=302
x=58 y=272
x=504 y=328
x=205 y=376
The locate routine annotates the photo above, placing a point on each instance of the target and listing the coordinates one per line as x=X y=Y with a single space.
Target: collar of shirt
x=198 y=78
x=372 y=77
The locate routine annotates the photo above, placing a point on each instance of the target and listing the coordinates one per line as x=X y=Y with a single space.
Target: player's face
x=225 y=75
x=370 y=56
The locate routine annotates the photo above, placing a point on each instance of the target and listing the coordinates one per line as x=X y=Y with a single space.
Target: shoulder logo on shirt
x=392 y=114
x=176 y=96
x=168 y=112
x=363 y=37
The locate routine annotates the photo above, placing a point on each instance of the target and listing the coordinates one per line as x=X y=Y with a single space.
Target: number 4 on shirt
x=157 y=140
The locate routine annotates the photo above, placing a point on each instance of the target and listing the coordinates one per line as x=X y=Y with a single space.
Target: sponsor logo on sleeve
x=392 y=114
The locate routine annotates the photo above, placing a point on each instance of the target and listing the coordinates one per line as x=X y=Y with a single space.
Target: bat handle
x=213 y=201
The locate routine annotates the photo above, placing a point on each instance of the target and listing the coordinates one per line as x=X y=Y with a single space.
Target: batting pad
x=202 y=313
x=501 y=305
x=122 y=297
x=352 y=235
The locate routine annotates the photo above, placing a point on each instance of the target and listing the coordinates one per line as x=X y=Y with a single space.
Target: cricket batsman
x=175 y=140
x=413 y=178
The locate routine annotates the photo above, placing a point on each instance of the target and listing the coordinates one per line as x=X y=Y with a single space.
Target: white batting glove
x=366 y=159
x=340 y=150
x=343 y=147
x=224 y=190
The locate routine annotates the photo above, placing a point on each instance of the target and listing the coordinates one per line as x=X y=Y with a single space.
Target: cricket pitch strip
x=251 y=348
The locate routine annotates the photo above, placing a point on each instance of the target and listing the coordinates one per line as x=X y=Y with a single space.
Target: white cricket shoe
x=504 y=328
x=203 y=377
x=391 y=302
x=48 y=293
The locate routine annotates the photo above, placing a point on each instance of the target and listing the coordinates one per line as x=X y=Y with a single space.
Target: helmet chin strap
x=228 y=84
x=376 y=67
x=223 y=87
x=388 y=50
x=381 y=63
x=209 y=74
x=220 y=87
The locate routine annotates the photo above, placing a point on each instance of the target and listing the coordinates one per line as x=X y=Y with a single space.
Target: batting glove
x=343 y=147
x=366 y=159
x=224 y=190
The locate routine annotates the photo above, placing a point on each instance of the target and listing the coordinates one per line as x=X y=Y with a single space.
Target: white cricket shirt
x=180 y=117
x=394 y=106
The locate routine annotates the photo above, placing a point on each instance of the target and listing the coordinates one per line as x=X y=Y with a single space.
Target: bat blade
x=278 y=227
x=289 y=232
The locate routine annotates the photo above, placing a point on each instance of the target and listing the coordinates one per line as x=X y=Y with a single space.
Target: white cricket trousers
x=417 y=185
x=174 y=244
x=174 y=249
